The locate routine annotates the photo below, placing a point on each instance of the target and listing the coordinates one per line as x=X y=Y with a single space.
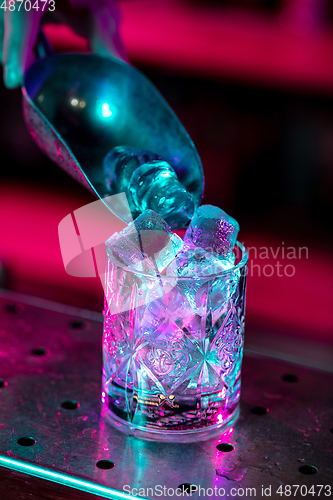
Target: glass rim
x=206 y=277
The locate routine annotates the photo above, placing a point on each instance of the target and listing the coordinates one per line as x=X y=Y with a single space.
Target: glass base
x=188 y=436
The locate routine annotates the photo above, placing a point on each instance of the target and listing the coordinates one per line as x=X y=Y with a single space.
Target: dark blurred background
x=252 y=82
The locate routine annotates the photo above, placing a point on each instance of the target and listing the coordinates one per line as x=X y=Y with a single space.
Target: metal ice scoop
x=79 y=106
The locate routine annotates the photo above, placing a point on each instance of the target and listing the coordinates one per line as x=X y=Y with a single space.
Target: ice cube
x=195 y=262
x=155 y=185
x=147 y=244
x=165 y=300
x=200 y=267
x=214 y=230
x=120 y=163
x=149 y=183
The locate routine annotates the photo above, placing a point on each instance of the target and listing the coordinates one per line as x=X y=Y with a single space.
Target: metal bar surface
x=51 y=354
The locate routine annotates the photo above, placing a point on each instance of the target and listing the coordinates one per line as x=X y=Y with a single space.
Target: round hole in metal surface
x=70 y=405
x=226 y=447
x=187 y=488
x=39 y=351
x=105 y=464
x=26 y=441
x=290 y=377
x=3 y=383
x=308 y=469
x=259 y=410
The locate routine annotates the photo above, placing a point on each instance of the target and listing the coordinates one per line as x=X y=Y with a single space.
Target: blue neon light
x=60 y=478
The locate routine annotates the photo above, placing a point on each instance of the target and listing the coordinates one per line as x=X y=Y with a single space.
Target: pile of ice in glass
x=148 y=246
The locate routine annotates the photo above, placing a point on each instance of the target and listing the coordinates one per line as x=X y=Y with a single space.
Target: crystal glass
x=173 y=351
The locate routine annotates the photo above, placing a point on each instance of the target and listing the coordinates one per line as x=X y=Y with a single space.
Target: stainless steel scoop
x=79 y=106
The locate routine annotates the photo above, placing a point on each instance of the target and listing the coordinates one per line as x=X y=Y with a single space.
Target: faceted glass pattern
x=172 y=365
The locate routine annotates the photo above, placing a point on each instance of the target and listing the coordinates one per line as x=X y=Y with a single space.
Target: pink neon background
x=228 y=43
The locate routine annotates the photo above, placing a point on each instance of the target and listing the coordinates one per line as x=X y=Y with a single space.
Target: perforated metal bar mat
x=52 y=430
